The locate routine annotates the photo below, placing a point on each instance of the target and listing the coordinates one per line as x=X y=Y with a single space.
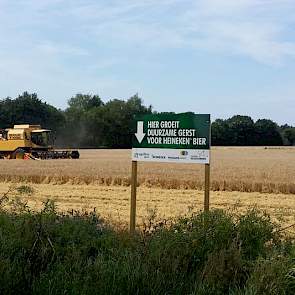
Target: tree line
x=89 y=122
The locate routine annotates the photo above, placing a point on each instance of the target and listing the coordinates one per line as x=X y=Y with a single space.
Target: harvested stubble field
x=113 y=202
x=241 y=178
x=267 y=170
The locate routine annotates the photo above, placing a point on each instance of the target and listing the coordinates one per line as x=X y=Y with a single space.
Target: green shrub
x=206 y=253
x=25 y=190
x=255 y=231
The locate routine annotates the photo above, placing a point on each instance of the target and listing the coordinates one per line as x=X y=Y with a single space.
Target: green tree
x=29 y=109
x=84 y=102
x=82 y=116
x=118 y=117
x=91 y=123
x=220 y=133
x=289 y=134
x=267 y=133
x=241 y=130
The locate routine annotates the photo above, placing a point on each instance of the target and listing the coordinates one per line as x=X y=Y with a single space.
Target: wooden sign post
x=170 y=138
x=133 y=197
x=207 y=188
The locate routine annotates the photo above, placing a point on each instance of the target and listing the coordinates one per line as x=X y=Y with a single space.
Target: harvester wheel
x=19 y=154
x=75 y=155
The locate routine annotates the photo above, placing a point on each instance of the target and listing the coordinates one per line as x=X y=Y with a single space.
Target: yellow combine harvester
x=31 y=142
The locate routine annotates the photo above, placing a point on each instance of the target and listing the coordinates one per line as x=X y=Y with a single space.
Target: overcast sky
x=222 y=57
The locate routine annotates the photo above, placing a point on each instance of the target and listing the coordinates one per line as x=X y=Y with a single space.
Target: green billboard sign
x=183 y=138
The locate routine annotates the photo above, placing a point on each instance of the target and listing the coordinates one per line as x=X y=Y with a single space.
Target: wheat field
x=240 y=178
x=250 y=169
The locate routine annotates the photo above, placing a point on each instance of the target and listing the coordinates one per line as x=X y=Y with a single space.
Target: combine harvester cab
x=31 y=142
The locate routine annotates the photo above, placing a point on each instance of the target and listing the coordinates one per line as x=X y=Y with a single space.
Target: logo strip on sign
x=176 y=138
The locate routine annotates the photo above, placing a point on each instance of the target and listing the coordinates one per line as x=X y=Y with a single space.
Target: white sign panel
x=171 y=155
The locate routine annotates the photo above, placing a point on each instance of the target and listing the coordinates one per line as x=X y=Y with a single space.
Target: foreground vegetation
x=205 y=253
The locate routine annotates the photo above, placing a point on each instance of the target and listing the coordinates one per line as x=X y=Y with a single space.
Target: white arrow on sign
x=139 y=134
